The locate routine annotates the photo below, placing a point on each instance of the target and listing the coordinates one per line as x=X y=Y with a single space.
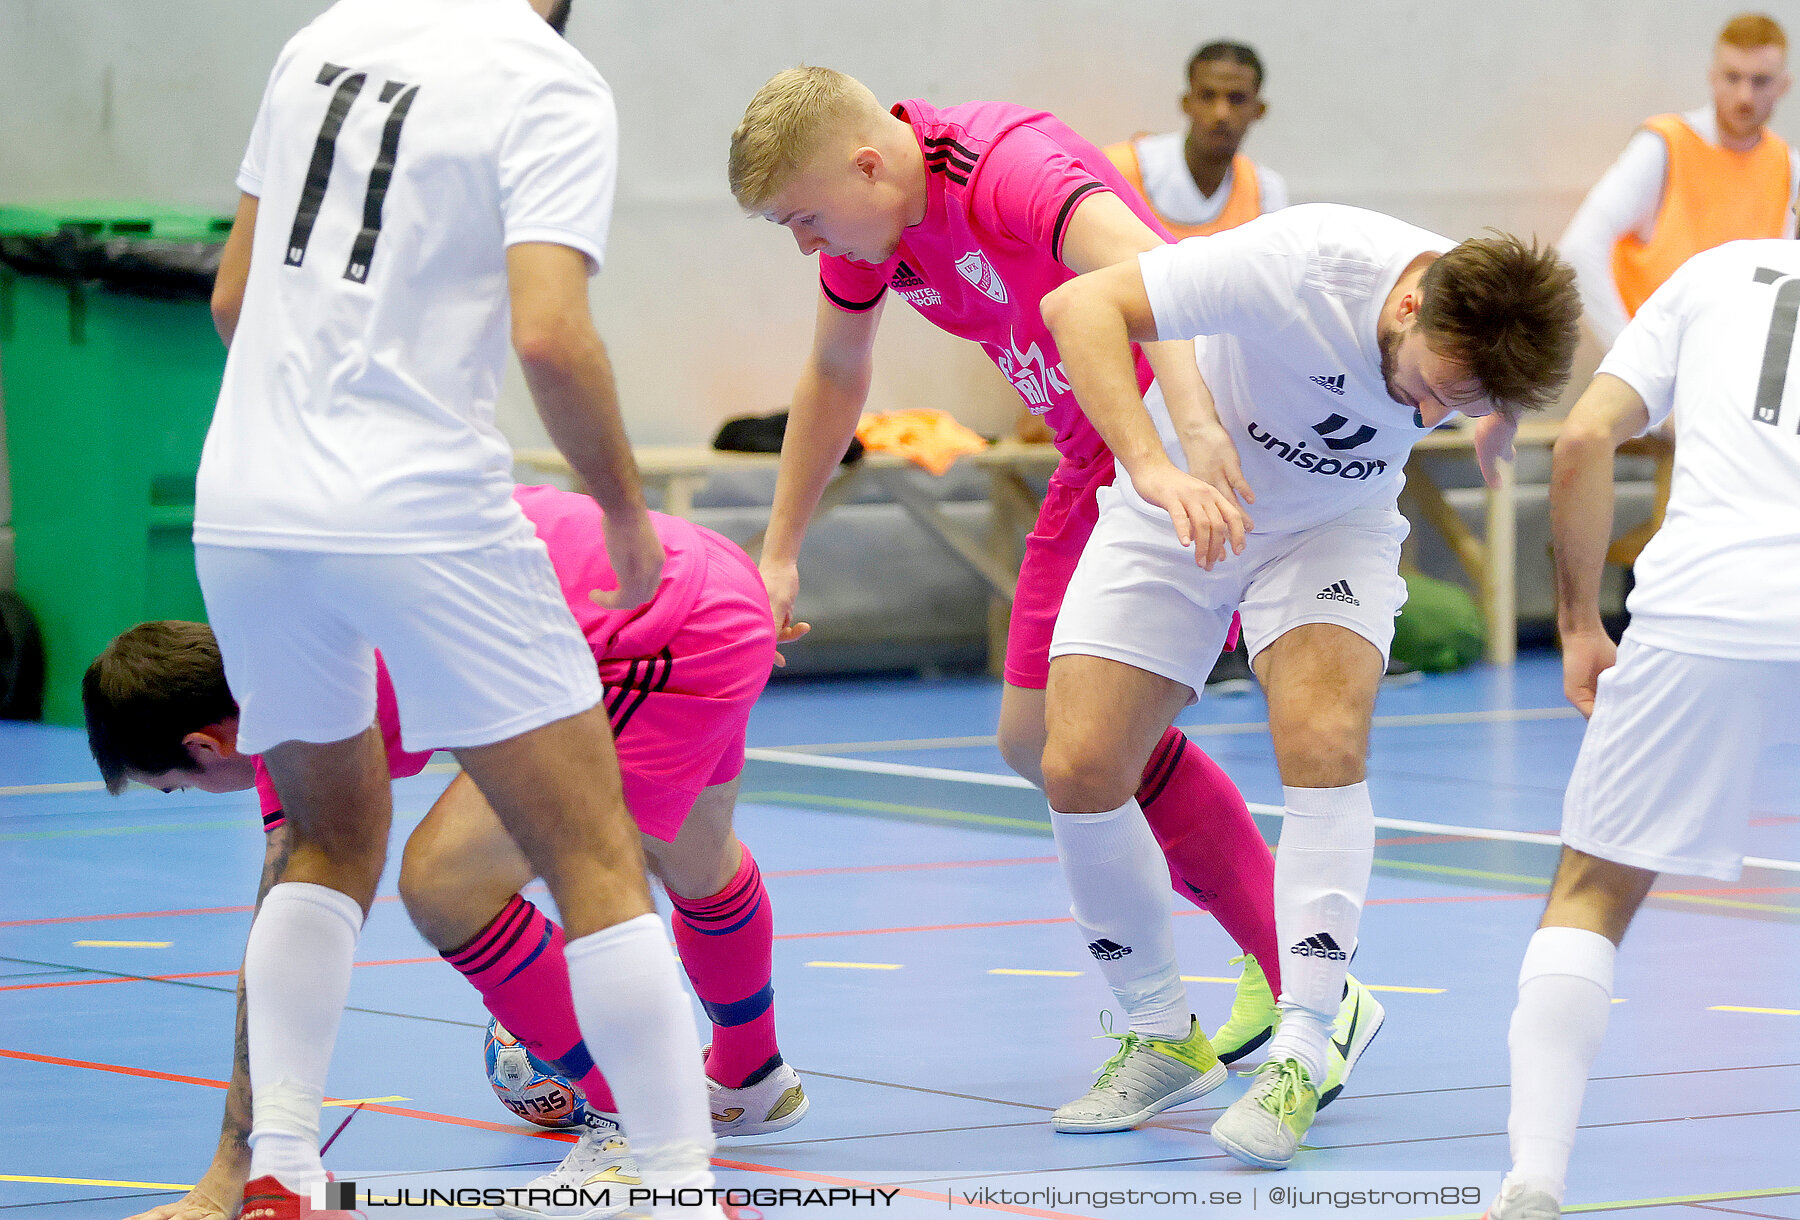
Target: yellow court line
x=365 y=1101
x=1773 y=1012
x=124 y=944
x=857 y=965
x=1049 y=974
x=18 y=1177
x=1207 y=978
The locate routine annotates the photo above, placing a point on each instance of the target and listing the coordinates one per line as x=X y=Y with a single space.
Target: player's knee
x=425 y=887
x=1081 y=775
x=1023 y=752
x=1321 y=752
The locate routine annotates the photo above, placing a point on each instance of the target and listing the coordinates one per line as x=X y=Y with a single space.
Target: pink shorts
x=679 y=716
x=1052 y=550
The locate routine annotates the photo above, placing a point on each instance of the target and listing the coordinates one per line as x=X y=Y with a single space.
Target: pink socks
x=727 y=945
x=1217 y=857
x=517 y=965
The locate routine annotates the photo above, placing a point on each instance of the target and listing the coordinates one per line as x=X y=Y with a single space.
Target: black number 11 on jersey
x=399 y=96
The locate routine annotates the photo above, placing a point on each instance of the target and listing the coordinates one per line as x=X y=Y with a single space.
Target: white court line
x=793 y=757
x=46 y=789
x=1497 y=716
x=871 y=767
x=436 y=768
x=820 y=749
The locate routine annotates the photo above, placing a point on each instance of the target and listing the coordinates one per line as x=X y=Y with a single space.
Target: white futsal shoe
x=597 y=1176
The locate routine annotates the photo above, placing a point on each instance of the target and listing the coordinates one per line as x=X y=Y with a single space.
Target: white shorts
x=480 y=644
x=1139 y=598
x=1678 y=751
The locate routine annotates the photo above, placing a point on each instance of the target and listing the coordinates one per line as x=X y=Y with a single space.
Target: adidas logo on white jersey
x=1334 y=384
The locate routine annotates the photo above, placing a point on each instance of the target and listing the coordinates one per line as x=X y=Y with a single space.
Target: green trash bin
x=110 y=367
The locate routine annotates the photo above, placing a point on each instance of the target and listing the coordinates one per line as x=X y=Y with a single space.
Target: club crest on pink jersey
x=974 y=268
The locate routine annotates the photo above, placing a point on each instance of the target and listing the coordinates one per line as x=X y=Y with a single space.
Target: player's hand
x=637 y=559
x=1204 y=517
x=195 y=1205
x=1586 y=655
x=1494 y=434
x=1212 y=458
x=782 y=580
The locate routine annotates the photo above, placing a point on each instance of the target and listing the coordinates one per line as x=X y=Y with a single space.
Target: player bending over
x=681 y=672
x=1331 y=339
x=971 y=214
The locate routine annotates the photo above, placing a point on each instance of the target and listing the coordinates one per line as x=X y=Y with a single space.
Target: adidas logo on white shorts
x=1338 y=591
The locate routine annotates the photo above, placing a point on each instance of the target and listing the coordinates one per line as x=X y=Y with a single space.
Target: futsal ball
x=528 y=1086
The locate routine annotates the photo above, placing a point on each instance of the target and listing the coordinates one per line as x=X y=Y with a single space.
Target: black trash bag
x=21 y=661
x=142 y=266
x=763 y=433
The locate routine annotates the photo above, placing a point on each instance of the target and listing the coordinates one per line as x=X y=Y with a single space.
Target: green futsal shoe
x=1253 y=1014
x=1359 y=1019
x=1146 y=1076
x=1264 y=1127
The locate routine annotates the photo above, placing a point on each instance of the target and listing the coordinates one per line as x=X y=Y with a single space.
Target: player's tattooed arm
x=218 y=1193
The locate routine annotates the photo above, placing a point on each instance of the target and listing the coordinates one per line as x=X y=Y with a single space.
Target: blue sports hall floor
x=931 y=989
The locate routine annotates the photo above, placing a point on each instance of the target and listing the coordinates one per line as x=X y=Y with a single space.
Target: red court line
x=792 y=872
x=506 y=1129
x=37 y=923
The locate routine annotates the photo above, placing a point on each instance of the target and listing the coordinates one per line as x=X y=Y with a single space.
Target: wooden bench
x=680 y=472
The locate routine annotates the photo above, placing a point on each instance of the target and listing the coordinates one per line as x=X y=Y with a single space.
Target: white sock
x=1120 y=886
x=296 y=980
x=1321 y=878
x=1565 y=1000
x=639 y=1026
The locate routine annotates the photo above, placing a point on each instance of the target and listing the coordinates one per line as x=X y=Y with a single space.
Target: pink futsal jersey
x=569 y=525
x=1004 y=182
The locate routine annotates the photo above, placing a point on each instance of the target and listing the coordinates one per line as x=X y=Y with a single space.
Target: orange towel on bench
x=928 y=436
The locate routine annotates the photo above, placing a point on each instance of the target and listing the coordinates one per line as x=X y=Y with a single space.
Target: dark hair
x=153 y=686
x=559 y=17
x=1231 y=52
x=1507 y=312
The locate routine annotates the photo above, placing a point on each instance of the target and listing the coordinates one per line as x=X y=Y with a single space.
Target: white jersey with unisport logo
x=1714 y=347
x=1284 y=310
x=401 y=147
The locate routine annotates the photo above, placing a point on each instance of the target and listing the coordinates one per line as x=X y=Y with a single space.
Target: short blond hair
x=1752 y=32
x=786 y=123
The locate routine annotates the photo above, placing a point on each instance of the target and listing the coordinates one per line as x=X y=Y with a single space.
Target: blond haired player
x=971 y=214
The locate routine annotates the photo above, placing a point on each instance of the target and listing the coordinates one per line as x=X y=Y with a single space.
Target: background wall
x=1449 y=115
